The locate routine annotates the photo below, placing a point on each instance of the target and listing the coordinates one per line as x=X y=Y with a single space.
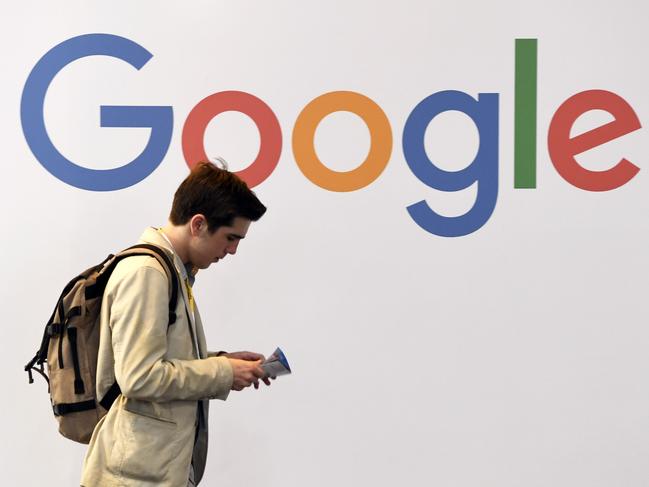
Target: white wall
x=515 y=355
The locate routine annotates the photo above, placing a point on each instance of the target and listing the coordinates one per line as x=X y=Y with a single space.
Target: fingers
x=259 y=374
x=258 y=371
x=245 y=355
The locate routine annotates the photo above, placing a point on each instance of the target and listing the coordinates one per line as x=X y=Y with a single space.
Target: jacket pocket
x=144 y=443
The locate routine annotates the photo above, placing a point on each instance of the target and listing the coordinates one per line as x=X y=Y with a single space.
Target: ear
x=197 y=225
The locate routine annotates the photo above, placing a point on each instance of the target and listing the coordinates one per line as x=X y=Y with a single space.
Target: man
x=155 y=434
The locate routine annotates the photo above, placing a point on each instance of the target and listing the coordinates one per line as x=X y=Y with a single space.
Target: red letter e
x=562 y=148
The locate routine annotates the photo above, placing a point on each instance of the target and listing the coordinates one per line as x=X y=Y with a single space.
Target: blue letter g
x=158 y=118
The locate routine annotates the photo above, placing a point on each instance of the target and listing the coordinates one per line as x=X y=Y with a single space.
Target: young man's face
x=208 y=248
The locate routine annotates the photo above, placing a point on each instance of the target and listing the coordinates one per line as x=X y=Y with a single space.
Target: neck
x=177 y=235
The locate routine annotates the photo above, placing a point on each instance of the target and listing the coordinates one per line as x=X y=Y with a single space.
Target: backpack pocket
x=72 y=382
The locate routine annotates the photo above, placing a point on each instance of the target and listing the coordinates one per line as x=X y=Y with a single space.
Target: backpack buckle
x=54 y=329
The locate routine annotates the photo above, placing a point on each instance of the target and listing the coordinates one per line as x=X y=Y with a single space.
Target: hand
x=250 y=356
x=245 y=373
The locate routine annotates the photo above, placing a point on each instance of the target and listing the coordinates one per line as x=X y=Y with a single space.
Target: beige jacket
x=158 y=426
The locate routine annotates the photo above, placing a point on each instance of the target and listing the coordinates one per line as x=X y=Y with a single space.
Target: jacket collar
x=153 y=236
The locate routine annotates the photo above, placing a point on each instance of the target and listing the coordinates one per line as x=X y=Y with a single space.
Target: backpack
x=70 y=345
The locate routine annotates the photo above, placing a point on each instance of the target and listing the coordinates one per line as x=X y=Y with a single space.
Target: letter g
x=158 y=118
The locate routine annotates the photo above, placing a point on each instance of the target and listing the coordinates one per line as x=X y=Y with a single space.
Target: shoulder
x=137 y=268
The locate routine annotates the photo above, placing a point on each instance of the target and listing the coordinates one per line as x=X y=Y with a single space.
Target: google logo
x=483 y=111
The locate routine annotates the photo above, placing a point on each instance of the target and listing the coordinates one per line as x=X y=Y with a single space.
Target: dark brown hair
x=217 y=194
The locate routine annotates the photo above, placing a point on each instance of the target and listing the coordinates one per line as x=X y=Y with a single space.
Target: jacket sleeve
x=139 y=319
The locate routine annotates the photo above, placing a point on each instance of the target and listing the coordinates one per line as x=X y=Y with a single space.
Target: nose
x=232 y=248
